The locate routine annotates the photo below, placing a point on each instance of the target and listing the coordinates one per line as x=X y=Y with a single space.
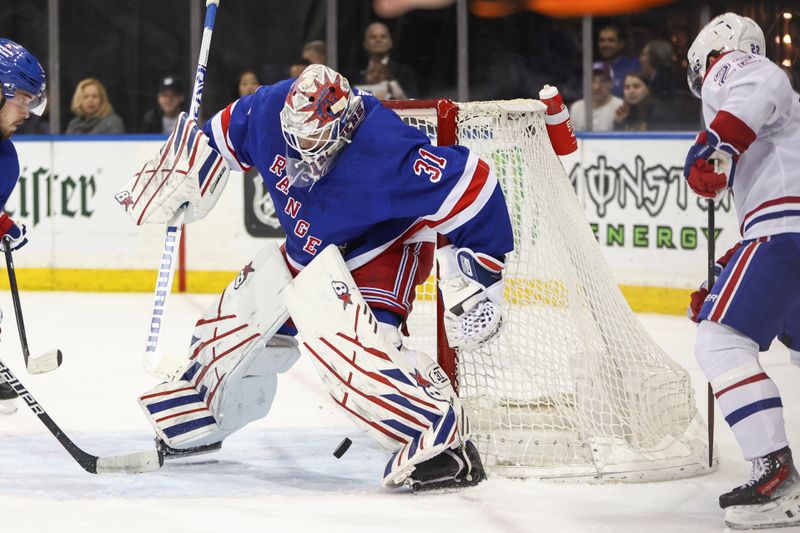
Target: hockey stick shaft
x=710 y=282
x=48 y=361
x=130 y=463
x=202 y=61
x=166 y=273
x=12 y=281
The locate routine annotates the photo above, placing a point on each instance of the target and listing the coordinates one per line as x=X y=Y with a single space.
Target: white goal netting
x=574 y=387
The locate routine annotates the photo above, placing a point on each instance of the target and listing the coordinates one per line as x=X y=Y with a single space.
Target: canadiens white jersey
x=749 y=102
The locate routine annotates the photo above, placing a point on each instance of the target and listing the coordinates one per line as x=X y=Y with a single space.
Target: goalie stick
x=35 y=365
x=132 y=463
x=166 y=272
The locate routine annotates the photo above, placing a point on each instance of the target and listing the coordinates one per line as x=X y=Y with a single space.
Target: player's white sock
x=747 y=397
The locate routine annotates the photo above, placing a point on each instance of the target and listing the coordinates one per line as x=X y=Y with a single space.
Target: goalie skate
x=170 y=453
x=770 y=499
x=451 y=469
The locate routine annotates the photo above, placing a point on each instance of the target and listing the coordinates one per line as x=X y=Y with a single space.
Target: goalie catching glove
x=187 y=172
x=472 y=293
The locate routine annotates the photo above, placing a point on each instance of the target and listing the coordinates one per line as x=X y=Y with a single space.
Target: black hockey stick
x=711 y=279
x=132 y=463
x=35 y=365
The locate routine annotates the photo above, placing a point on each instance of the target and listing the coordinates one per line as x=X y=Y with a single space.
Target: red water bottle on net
x=558 y=122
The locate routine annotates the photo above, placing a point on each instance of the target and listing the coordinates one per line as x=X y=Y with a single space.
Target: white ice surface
x=279 y=474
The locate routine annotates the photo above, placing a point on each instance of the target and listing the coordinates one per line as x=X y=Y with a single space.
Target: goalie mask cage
x=573 y=387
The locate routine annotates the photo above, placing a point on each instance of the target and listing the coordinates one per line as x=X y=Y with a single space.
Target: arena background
x=651 y=228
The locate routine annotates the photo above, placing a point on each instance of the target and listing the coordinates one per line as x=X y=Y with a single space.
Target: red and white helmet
x=724 y=33
x=318 y=119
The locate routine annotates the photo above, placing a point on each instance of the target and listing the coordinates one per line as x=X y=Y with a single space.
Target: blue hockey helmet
x=20 y=70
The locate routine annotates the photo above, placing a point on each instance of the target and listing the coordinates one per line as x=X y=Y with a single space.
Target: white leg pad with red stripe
x=230 y=376
x=404 y=401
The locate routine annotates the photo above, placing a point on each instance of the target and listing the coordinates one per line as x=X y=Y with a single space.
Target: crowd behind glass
x=638 y=80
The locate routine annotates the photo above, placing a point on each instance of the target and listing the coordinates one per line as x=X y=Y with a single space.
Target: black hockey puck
x=342 y=448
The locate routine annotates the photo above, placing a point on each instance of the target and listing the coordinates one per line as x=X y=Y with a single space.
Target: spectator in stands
x=171 y=98
x=248 y=83
x=378 y=44
x=93 y=112
x=640 y=110
x=611 y=47
x=604 y=104
x=315 y=52
x=298 y=67
x=379 y=82
x=656 y=61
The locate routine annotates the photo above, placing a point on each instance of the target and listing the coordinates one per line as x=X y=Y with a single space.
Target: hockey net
x=573 y=387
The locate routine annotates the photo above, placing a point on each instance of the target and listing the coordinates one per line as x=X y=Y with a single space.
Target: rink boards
x=651 y=228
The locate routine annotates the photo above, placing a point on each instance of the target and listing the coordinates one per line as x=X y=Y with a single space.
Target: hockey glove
x=699 y=296
x=710 y=165
x=472 y=293
x=187 y=172
x=16 y=236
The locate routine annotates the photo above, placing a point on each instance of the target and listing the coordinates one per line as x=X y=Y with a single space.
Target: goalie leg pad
x=794 y=357
x=230 y=377
x=179 y=410
x=404 y=400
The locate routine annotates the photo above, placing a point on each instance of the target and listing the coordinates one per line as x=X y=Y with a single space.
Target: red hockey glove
x=699 y=296
x=711 y=162
x=710 y=165
x=16 y=235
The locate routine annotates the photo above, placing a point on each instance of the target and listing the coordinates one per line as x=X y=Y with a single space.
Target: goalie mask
x=724 y=33
x=20 y=71
x=318 y=119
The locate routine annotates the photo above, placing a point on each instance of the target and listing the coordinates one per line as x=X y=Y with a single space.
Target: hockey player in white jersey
x=750 y=146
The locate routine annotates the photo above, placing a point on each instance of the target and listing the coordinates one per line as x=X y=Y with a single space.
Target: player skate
x=7 y=397
x=7 y=393
x=770 y=499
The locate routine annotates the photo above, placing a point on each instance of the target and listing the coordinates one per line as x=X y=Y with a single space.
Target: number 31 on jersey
x=429 y=164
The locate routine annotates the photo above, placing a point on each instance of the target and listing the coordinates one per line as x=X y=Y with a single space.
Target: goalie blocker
x=186 y=173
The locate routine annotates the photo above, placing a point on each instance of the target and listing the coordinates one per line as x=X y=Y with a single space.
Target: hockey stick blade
x=132 y=463
x=35 y=365
x=45 y=362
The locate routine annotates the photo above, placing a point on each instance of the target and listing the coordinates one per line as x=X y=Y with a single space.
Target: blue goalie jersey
x=389 y=186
